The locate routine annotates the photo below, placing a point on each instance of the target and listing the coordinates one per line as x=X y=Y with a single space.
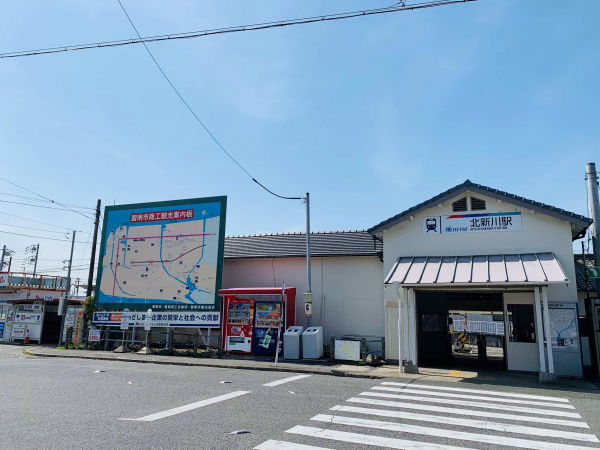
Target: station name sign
x=199 y=319
x=472 y=223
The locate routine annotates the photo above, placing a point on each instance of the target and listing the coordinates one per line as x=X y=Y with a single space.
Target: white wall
x=540 y=233
x=347 y=291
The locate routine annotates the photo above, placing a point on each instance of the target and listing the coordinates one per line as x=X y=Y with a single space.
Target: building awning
x=477 y=270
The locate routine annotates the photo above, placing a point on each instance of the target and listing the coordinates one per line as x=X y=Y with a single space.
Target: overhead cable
x=46 y=198
x=42 y=200
x=34 y=229
x=401 y=6
x=37 y=221
x=194 y=114
x=67 y=240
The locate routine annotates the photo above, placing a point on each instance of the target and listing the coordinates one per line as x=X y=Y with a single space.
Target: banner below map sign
x=187 y=319
x=163 y=255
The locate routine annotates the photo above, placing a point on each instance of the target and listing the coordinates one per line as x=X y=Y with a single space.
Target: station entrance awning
x=521 y=269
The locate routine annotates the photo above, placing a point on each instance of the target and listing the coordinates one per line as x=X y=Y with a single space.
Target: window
x=521 y=323
x=460 y=205
x=477 y=204
x=433 y=322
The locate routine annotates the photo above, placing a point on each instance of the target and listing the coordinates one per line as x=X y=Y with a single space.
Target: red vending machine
x=239 y=316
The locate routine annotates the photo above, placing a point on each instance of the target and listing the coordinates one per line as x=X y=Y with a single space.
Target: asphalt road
x=53 y=403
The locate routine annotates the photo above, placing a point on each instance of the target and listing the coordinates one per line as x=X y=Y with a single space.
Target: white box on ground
x=291 y=342
x=312 y=342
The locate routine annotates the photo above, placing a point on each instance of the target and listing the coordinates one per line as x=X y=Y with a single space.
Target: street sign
x=148 y=321
x=125 y=319
x=94 y=336
x=593 y=272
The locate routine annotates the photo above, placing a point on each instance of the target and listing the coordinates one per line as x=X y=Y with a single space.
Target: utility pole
x=88 y=291
x=93 y=258
x=2 y=262
x=37 y=252
x=308 y=274
x=66 y=300
x=592 y=186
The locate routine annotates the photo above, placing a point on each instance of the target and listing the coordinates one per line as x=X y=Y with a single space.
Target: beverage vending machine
x=267 y=324
x=239 y=323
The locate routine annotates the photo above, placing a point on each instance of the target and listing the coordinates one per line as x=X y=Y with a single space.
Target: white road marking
x=468 y=412
x=462 y=422
x=478 y=391
x=283 y=445
x=180 y=409
x=472 y=397
x=447 y=434
x=476 y=404
x=366 y=439
x=285 y=380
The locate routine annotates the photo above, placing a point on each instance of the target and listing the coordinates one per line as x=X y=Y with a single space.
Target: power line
x=34 y=229
x=46 y=198
x=39 y=206
x=194 y=114
x=38 y=200
x=401 y=6
x=41 y=237
x=37 y=221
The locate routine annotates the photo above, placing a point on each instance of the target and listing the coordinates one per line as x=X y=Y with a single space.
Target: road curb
x=334 y=373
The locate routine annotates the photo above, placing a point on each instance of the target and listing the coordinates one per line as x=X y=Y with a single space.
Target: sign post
x=148 y=327
x=124 y=326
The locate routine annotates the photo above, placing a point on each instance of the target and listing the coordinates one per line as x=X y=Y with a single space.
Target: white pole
x=540 y=329
x=547 y=329
x=413 y=327
x=66 y=301
x=406 y=327
x=400 y=349
x=308 y=274
x=594 y=204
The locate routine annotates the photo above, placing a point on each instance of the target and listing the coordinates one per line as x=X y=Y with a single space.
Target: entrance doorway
x=461 y=329
x=52 y=322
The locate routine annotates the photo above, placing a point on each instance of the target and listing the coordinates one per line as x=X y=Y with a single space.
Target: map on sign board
x=347 y=350
x=165 y=255
x=563 y=327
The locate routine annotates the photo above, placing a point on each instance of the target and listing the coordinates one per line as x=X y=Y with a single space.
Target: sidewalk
x=320 y=367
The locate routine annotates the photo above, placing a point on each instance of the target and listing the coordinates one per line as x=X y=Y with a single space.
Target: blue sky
x=370 y=115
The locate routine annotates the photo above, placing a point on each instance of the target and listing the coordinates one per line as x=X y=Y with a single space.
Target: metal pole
x=2 y=262
x=308 y=274
x=592 y=186
x=36 y=259
x=66 y=302
x=9 y=264
x=587 y=281
x=88 y=291
x=93 y=258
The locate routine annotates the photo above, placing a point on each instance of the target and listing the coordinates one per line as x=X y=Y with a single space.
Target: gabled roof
x=293 y=245
x=579 y=223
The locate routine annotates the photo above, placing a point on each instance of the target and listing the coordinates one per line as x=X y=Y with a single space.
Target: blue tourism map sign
x=163 y=255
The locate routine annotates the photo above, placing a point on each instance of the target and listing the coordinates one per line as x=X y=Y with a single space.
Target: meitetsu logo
x=455 y=229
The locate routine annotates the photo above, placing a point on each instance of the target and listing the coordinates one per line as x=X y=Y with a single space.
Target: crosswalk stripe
x=477 y=391
x=468 y=412
x=366 y=439
x=286 y=380
x=283 y=445
x=475 y=404
x=462 y=422
x=471 y=397
x=448 y=434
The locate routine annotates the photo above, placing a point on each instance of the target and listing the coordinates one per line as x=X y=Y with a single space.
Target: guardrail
x=112 y=334
x=480 y=327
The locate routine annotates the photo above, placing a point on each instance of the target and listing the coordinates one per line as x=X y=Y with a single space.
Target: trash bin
x=312 y=343
x=291 y=342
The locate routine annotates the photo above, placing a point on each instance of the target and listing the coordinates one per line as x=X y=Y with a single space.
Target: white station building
x=471 y=251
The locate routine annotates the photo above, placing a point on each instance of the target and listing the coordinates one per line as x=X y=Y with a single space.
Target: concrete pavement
x=77 y=403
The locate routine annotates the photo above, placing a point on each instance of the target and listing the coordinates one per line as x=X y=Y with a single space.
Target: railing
x=480 y=327
x=37 y=281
